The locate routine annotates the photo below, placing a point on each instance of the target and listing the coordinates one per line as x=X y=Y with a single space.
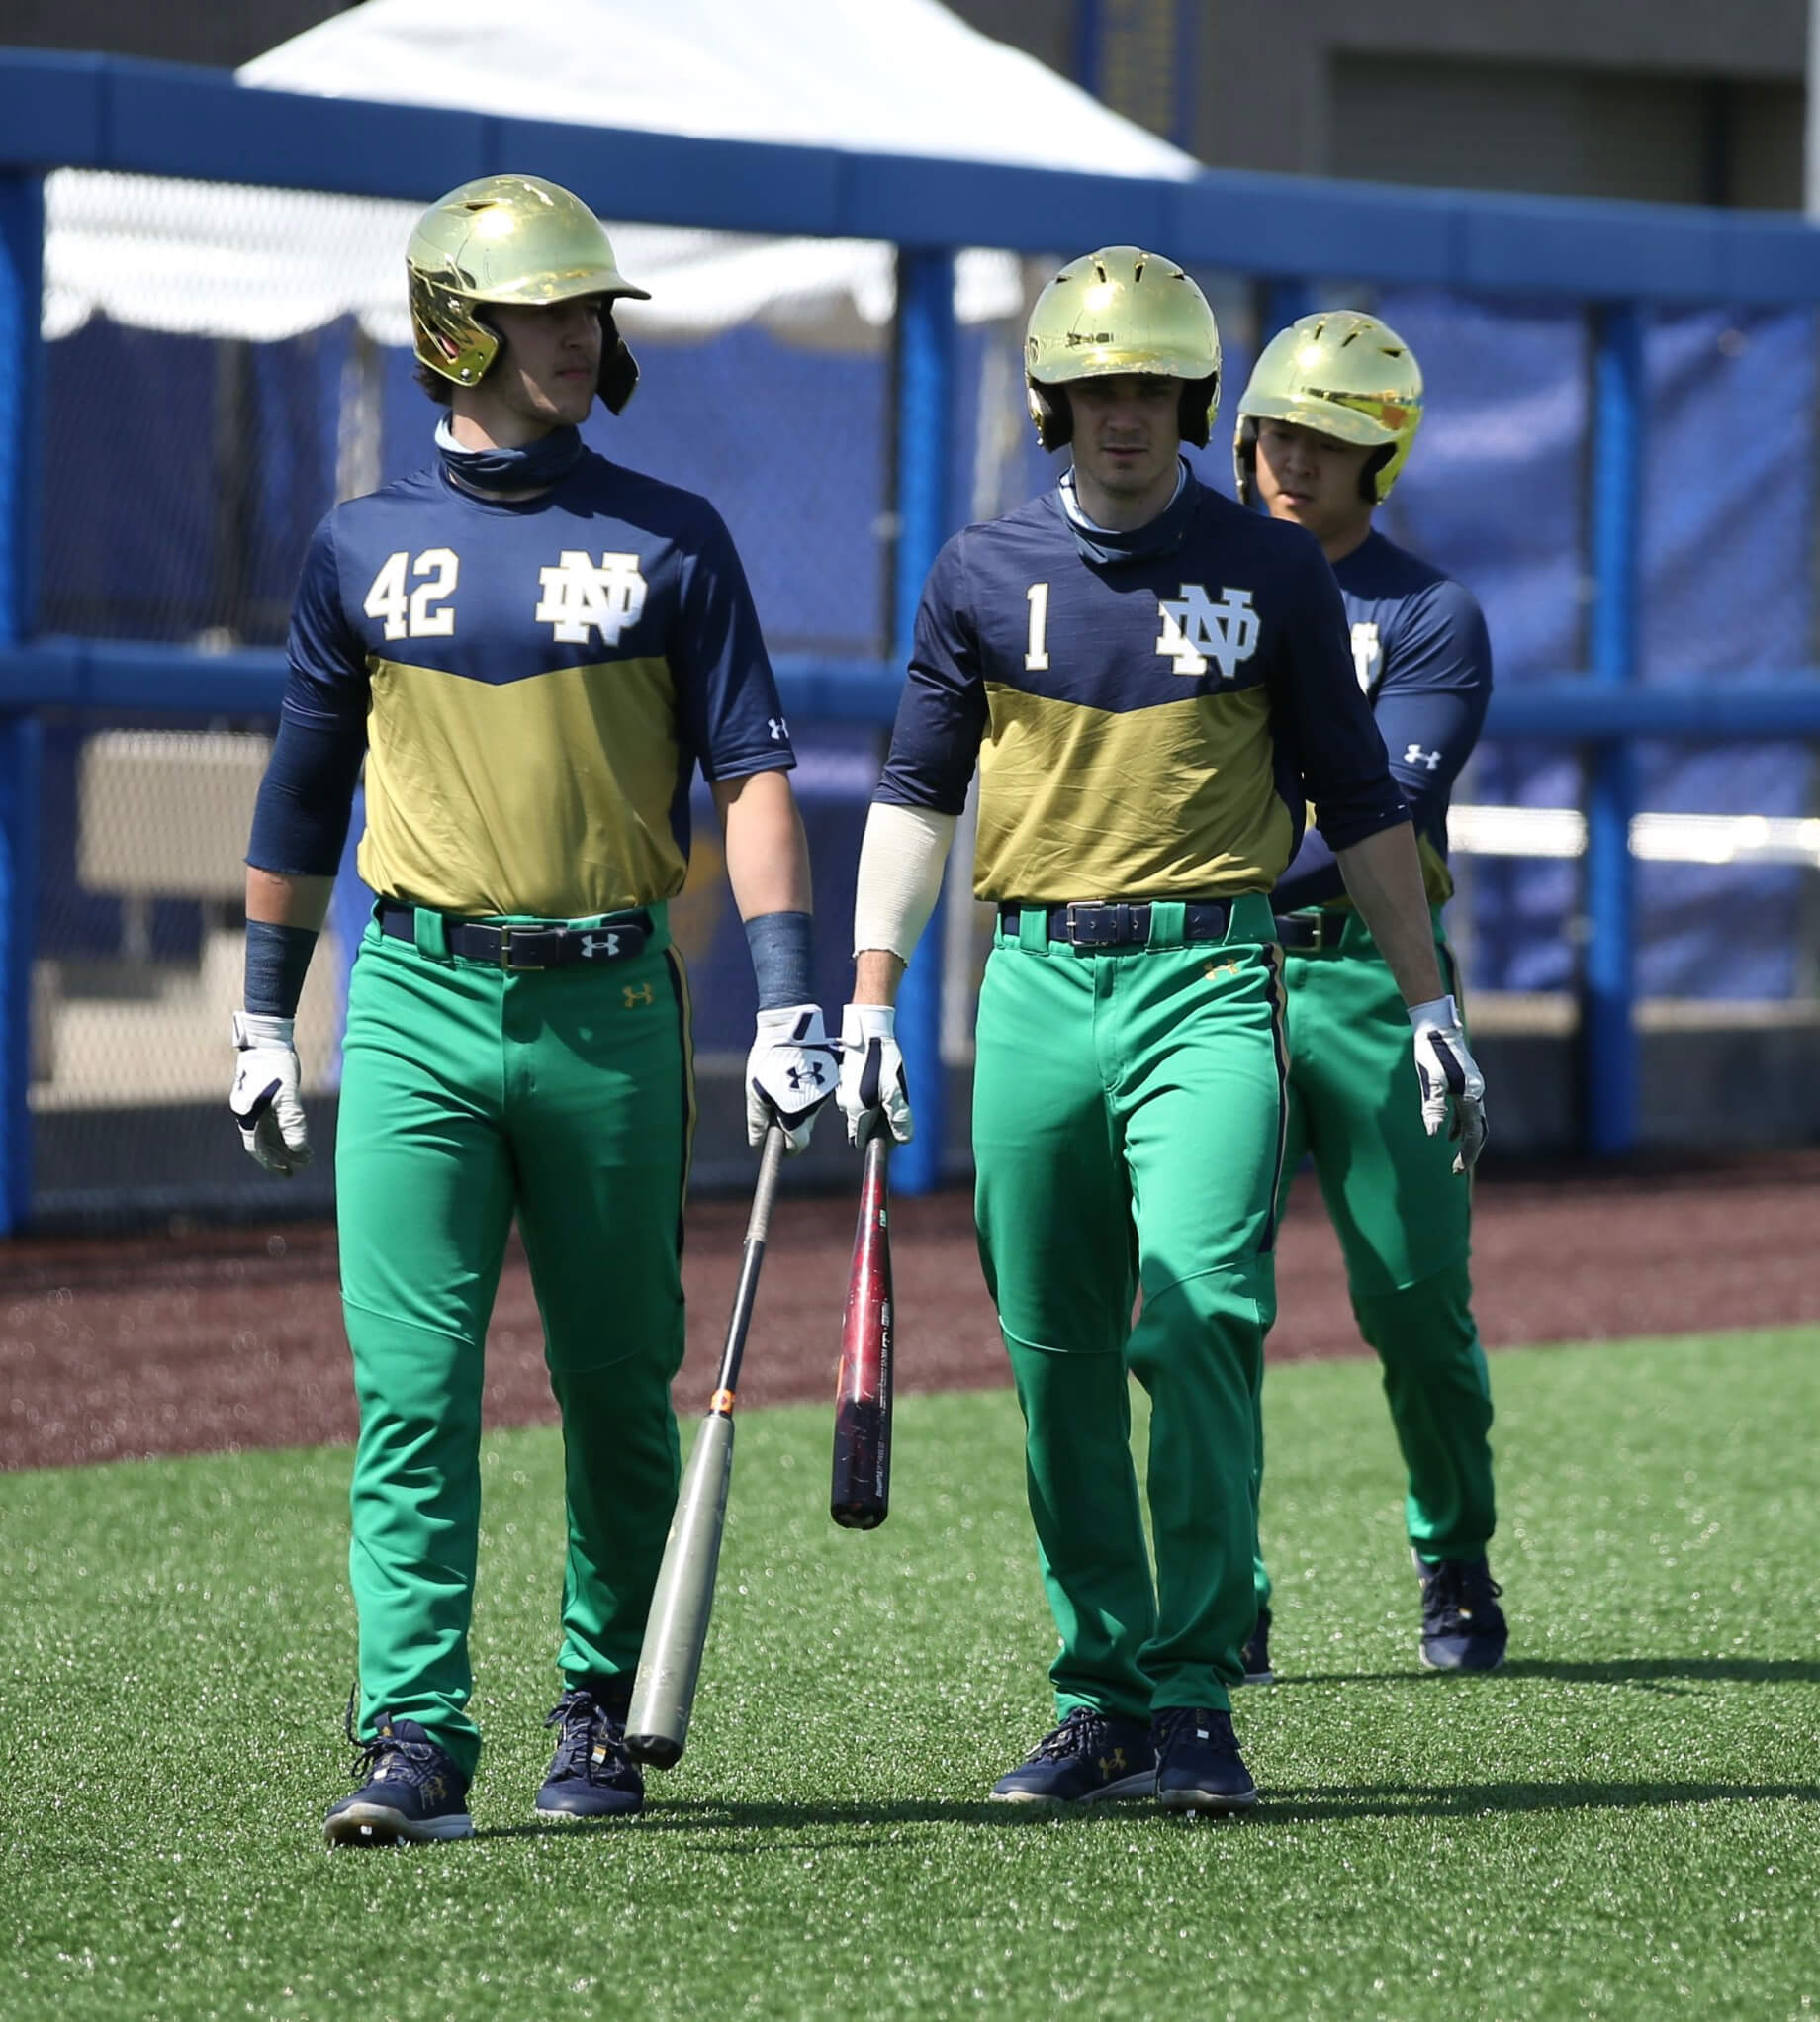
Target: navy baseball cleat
x=1256 y=1656
x=592 y=1776
x=1090 y=1757
x=1463 y=1626
x=409 y=1790
x=1198 y=1766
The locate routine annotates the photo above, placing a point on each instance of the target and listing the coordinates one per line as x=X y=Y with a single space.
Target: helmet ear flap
x=1369 y=470
x=1052 y=414
x=1194 y=413
x=1245 y=458
x=618 y=368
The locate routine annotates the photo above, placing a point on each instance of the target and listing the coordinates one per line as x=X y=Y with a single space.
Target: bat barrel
x=675 y=1632
x=859 y=1489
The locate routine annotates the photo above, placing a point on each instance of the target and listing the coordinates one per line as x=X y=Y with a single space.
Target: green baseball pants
x=470 y=1094
x=1403 y=1218
x=1128 y=1130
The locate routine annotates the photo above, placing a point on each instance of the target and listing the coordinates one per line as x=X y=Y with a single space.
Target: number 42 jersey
x=1148 y=724
x=537 y=680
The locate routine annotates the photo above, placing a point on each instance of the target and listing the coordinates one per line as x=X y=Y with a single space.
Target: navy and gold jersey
x=538 y=680
x=1423 y=658
x=1146 y=727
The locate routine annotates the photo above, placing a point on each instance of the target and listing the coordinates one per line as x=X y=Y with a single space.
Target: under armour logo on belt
x=606 y=945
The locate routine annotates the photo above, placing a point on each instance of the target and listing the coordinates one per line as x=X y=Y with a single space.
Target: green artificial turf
x=1623 y=1823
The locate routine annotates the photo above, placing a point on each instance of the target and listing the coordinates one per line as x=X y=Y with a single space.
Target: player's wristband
x=277 y=961
x=1437 y=1011
x=781 y=959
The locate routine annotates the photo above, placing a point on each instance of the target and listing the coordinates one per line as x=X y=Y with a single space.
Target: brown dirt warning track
x=127 y=1347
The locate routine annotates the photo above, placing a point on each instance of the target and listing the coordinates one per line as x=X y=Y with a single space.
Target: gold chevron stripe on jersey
x=1340 y=373
x=1115 y=310
x=1174 y=802
x=518 y=239
x=566 y=784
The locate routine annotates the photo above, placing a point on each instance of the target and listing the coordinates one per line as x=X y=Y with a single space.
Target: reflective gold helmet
x=1121 y=310
x=1343 y=374
x=511 y=238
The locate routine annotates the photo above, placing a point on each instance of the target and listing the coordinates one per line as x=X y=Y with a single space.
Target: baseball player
x=1324 y=428
x=532 y=649
x=1153 y=683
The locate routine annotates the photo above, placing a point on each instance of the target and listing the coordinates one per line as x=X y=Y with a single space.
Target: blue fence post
x=1607 y=1028
x=925 y=400
x=22 y=251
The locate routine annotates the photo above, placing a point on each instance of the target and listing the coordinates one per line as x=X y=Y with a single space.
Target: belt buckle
x=506 y=961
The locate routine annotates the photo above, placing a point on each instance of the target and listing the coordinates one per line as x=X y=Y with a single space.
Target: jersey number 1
x=1037 y=652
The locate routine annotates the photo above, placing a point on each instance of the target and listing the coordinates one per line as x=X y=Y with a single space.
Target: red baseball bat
x=860 y=1498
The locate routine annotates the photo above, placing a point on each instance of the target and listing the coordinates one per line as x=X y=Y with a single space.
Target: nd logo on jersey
x=1194 y=627
x=579 y=598
x=1367 y=655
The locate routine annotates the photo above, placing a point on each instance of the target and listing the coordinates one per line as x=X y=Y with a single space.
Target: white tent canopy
x=868 y=75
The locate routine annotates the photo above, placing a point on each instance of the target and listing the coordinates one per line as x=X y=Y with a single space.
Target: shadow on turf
x=1476 y=1800
x=1652 y=1674
x=698 y=1814
x=1280 y=1803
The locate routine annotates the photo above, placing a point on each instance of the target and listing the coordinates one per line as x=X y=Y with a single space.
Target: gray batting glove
x=1450 y=1080
x=874 y=1092
x=789 y=1075
x=264 y=1099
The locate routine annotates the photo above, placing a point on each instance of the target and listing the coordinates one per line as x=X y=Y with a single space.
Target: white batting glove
x=789 y=1075
x=1449 y=1076
x=264 y=1099
x=874 y=1092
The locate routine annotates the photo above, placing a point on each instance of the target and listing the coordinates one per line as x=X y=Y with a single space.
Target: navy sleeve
x=942 y=713
x=301 y=817
x=726 y=691
x=1324 y=719
x=1432 y=699
x=328 y=682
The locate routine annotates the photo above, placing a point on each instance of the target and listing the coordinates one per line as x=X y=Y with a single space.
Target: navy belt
x=1107 y=924
x=1312 y=932
x=521 y=948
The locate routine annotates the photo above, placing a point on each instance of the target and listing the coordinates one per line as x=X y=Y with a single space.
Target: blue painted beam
x=113 y=112
x=1571 y=708
x=22 y=234
x=1608 y=1020
x=925 y=399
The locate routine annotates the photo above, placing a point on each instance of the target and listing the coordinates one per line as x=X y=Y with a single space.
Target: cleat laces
x=1453 y=1590
x=389 y=1757
x=1081 y=1733
x=590 y=1746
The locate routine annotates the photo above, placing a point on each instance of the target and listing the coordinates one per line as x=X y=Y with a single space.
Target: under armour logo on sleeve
x=1429 y=761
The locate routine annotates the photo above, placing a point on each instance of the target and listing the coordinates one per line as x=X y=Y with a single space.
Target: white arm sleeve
x=901 y=860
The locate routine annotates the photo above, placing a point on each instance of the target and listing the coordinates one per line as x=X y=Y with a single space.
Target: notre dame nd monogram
x=1195 y=629
x=579 y=598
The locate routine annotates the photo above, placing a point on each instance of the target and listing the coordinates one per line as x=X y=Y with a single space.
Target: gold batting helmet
x=511 y=238
x=1121 y=310
x=1343 y=374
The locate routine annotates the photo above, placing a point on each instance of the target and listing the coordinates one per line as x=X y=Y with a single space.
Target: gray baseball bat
x=676 y=1629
